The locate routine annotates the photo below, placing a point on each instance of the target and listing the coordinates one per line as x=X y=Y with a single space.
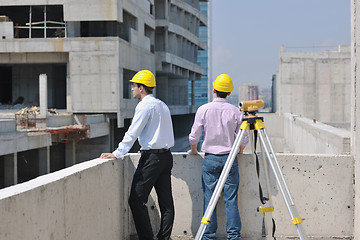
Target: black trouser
x=154 y=170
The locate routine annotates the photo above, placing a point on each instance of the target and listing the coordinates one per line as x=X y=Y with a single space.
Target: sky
x=247 y=34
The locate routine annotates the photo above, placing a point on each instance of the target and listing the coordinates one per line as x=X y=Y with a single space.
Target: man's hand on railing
x=193 y=150
x=107 y=155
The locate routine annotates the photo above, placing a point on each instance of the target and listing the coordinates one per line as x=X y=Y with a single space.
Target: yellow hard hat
x=223 y=83
x=144 y=77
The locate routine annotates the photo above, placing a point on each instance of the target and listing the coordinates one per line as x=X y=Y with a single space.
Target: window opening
x=36 y=21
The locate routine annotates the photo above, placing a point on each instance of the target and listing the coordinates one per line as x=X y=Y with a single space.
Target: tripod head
x=251 y=107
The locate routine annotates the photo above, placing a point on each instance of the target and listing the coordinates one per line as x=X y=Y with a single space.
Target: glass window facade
x=201 y=86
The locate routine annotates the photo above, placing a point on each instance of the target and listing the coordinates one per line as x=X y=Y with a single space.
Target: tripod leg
x=265 y=198
x=220 y=185
x=268 y=208
x=282 y=184
x=278 y=167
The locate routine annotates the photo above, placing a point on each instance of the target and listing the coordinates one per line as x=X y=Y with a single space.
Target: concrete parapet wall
x=81 y=202
x=294 y=134
x=308 y=136
x=89 y=200
x=322 y=188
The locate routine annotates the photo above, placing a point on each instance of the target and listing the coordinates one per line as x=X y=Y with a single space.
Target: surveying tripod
x=254 y=124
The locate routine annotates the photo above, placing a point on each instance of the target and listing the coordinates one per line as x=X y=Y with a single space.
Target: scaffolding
x=68 y=134
x=26 y=118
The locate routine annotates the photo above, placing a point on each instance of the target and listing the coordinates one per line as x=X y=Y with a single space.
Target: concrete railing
x=294 y=134
x=309 y=136
x=89 y=200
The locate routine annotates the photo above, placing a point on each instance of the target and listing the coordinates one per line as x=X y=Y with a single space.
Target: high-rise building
x=200 y=91
x=248 y=91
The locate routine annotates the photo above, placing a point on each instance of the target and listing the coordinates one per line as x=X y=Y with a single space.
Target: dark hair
x=221 y=94
x=148 y=90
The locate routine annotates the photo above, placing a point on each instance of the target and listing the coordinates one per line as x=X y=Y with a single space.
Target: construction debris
x=29 y=110
x=27 y=117
x=34 y=110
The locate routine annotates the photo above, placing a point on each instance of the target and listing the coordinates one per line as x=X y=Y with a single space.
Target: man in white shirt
x=152 y=126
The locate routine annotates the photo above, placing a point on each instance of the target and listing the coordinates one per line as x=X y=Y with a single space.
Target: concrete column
x=43 y=95
x=68 y=89
x=355 y=110
x=44 y=160
x=111 y=134
x=192 y=92
x=30 y=21
x=10 y=170
x=166 y=6
x=70 y=151
x=41 y=122
x=45 y=22
x=120 y=97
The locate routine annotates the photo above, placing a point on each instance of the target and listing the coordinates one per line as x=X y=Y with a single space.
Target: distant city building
x=248 y=91
x=265 y=95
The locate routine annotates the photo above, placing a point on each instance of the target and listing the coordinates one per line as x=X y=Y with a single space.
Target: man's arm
x=195 y=133
x=139 y=121
x=193 y=150
x=241 y=149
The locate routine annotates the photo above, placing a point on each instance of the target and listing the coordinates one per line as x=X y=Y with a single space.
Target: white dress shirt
x=152 y=126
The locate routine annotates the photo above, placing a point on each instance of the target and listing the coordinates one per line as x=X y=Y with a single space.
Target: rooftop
x=89 y=199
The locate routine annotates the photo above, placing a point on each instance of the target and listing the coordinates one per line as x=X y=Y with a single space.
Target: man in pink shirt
x=220 y=122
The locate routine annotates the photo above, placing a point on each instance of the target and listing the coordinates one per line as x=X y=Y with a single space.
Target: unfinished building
x=315 y=85
x=88 y=51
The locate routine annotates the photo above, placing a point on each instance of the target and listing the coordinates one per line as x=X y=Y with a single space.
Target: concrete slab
x=7 y=126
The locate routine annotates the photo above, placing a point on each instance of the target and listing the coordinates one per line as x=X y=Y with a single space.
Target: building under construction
x=73 y=61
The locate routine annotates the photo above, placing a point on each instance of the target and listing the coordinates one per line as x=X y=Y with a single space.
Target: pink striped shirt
x=220 y=120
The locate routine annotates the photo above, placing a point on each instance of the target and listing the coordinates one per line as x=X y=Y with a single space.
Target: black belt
x=155 y=150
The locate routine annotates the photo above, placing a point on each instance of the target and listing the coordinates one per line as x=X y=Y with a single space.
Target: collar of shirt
x=218 y=99
x=147 y=97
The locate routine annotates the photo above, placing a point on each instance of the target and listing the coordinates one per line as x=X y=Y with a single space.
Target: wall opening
x=160 y=9
x=5 y=85
x=129 y=21
x=160 y=44
x=99 y=29
x=36 y=21
x=28 y=165
x=57 y=157
x=150 y=33
x=19 y=84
